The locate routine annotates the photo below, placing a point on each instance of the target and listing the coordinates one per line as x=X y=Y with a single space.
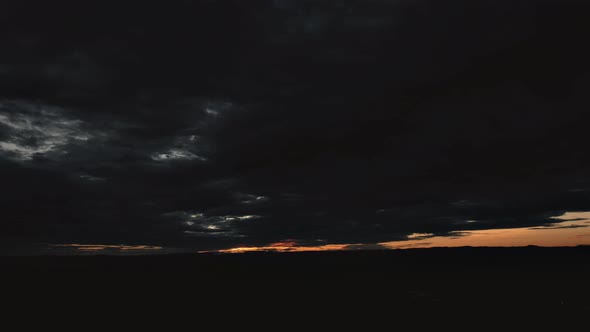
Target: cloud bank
x=216 y=124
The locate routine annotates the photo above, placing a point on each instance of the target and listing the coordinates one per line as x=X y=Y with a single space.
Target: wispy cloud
x=38 y=130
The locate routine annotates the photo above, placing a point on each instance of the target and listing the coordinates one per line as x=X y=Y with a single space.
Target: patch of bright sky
x=176 y=154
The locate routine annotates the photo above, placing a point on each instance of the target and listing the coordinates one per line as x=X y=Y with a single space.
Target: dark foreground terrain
x=552 y=280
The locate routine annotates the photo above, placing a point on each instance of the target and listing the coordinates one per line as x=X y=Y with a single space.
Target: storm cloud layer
x=211 y=124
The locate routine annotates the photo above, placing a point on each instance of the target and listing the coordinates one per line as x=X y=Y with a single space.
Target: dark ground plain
x=491 y=281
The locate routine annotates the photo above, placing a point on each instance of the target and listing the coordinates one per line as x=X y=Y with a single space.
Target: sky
x=286 y=125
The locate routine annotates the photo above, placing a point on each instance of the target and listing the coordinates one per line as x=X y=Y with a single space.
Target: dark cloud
x=207 y=124
x=559 y=227
x=365 y=247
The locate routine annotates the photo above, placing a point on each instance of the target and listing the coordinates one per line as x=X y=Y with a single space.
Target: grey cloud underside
x=224 y=123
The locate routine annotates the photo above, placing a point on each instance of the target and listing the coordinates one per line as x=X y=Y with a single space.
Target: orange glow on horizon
x=571 y=229
x=103 y=247
x=284 y=243
x=278 y=248
x=570 y=233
